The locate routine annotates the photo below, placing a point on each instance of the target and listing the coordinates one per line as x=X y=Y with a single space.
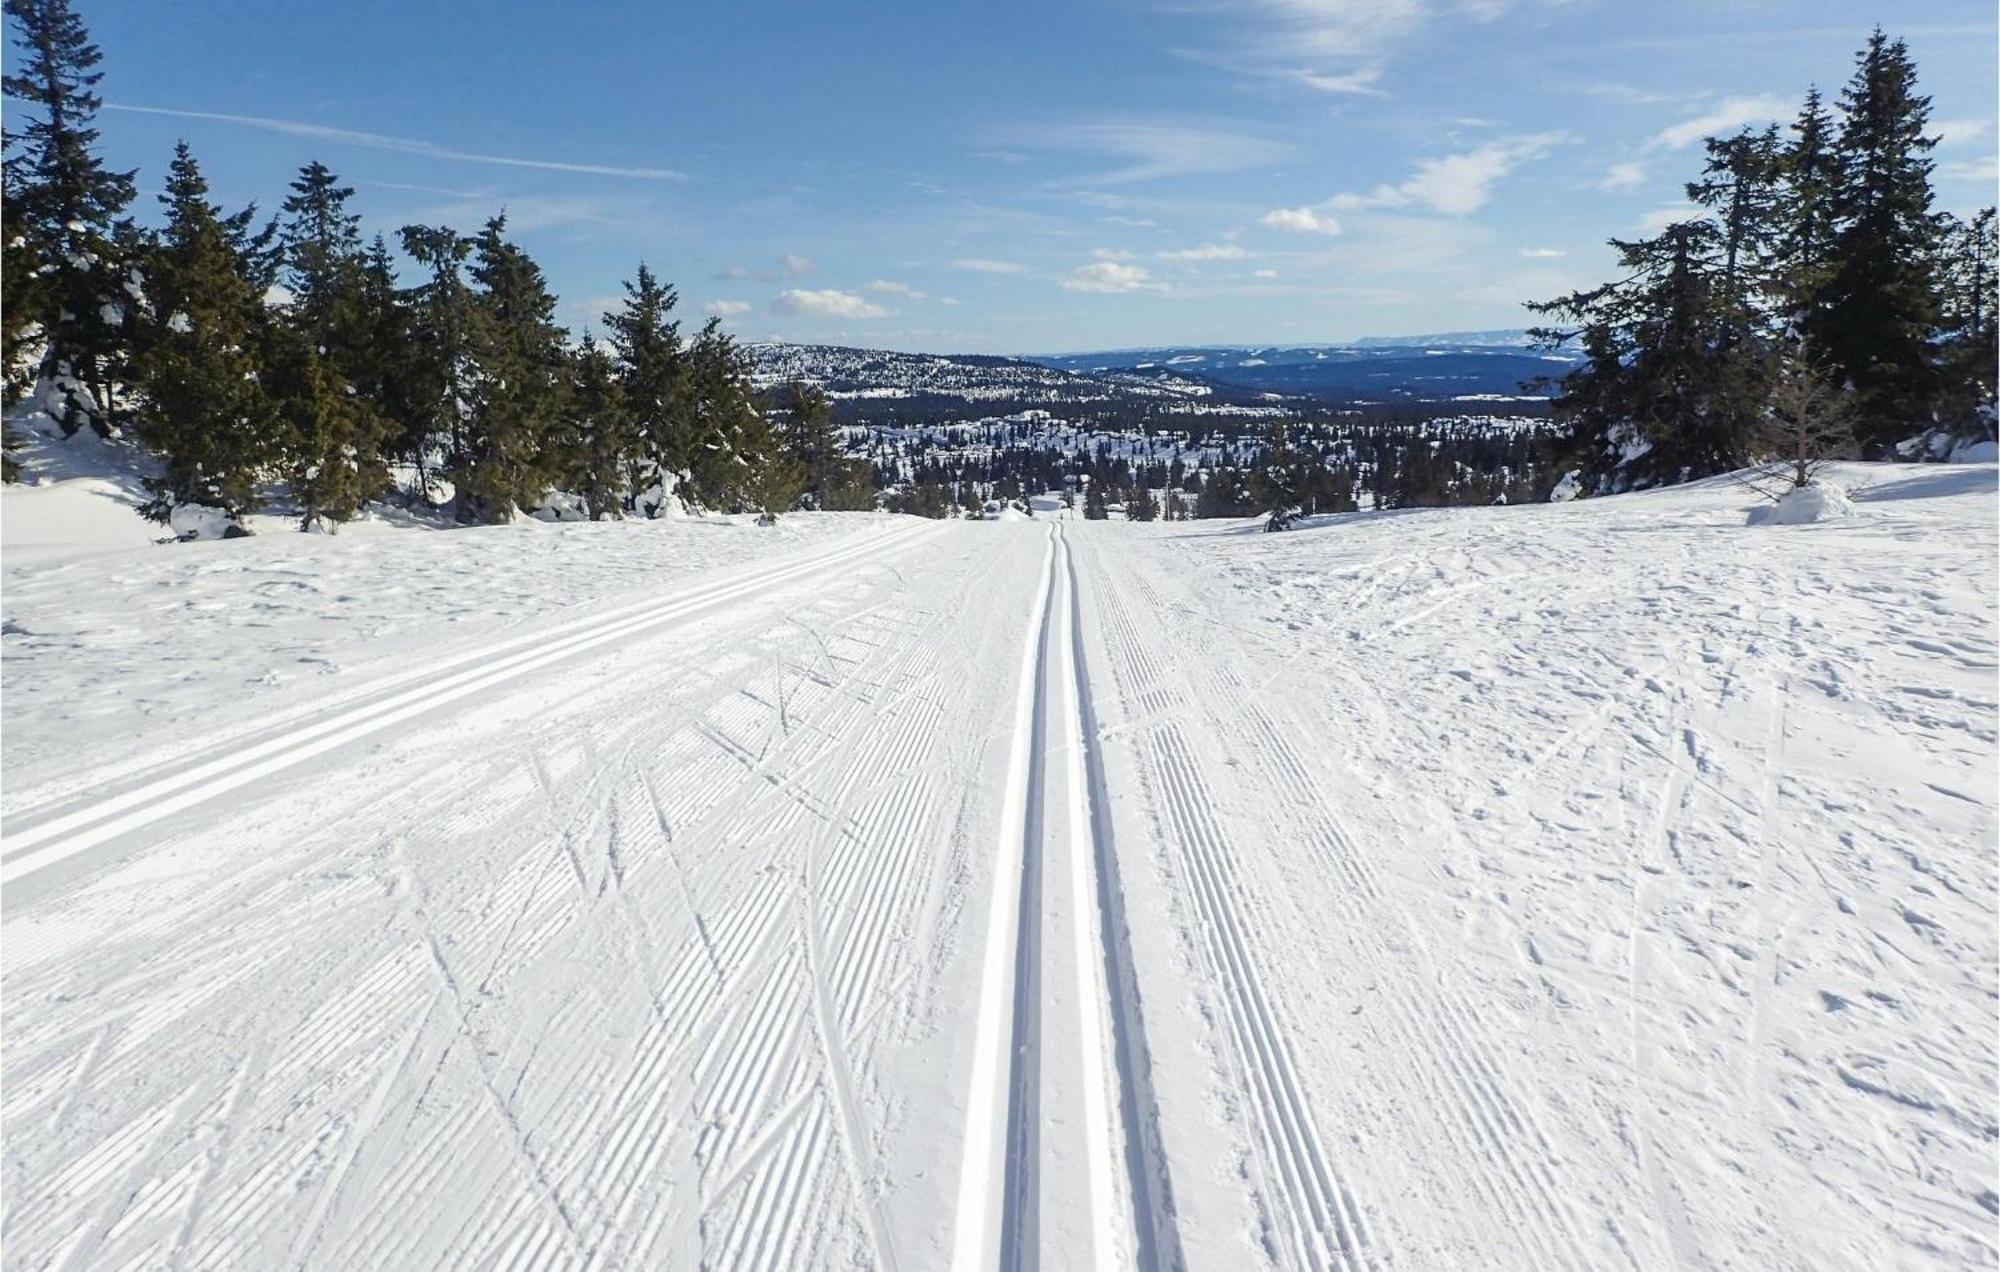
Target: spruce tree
x=1668 y=389
x=1881 y=304
x=335 y=432
x=434 y=395
x=1966 y=270
x=321 y=241
x=517 y=393
x=1739 y=185
x=719 y=405
x=332 y=440
x=814 y=441
x=595 y=436
x=69 y=289
x=652 y=367
x=204 y=409
x=1095 y=506
x=1803 y=246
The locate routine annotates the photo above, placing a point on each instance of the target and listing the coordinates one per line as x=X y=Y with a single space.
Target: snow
x=196 y=521
x=1606 y=884
x=1568 y=488
x=1806 y=505
x=1985 y=452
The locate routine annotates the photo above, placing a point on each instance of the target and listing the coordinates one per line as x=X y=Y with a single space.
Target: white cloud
x=1623 y=176
x=727 y=308
x=1360 y=82
x=1112 y=254
x=1985 y=171
x=1956 y=132
x=1725 y=116
x=1149 y=152
x=1109 y=276
x=1206 y=252
x=983 y=265
x=826 y=304
x=404 y=145
x=889 y=287
x=1660 y=218
x=795 y=266
x=1303 y=220
x=1264 y=273
x=1542 y=253
x=1456 y=185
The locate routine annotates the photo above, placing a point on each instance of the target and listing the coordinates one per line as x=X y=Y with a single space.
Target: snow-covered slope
x=1609 y=884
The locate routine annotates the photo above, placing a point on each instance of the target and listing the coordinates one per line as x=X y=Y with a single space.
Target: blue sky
x=1025 y=176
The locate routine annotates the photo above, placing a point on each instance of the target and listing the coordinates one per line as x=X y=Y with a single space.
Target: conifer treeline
x=1819 y=260
x=462 y=378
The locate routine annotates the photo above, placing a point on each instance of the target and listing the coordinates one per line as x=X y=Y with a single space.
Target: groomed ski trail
x=1020 y=1205
x=124 y=804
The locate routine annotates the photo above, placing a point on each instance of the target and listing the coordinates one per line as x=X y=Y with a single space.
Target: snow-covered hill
x=864 y=375
x=1604 y=884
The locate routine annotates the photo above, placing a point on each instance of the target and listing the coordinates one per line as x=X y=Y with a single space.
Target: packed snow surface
x=1600 y=884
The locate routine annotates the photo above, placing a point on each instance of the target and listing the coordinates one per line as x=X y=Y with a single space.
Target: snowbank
x=1807 y=505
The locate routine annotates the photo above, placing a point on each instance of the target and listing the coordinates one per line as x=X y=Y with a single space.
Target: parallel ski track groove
x=1327 y=1228
x=1473 y=1094
x=42 y=837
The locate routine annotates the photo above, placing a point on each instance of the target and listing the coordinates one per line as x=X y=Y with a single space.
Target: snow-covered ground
x=1592 y=885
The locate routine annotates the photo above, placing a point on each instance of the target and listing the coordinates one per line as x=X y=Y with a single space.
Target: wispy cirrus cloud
x=1205 y=252
x=1329 y=46
x=727 y=308
x=1155 y=151
x=985 y=265
x=401 y=145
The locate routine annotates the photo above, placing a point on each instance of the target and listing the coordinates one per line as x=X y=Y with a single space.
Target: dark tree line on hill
x=461 y=377
x=1819 y=272
x=1330 y=461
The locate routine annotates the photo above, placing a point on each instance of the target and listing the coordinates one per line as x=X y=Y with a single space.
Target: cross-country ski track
x=1045 y=895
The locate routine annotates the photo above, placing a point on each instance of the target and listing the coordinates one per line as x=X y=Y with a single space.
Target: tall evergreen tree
x=1665 y=393
x=595 y=435
x=435 y=396
x=1966 y=271
x=1278 y=483
x=68 y=287
x=813 y=440
x=321 y=242
x=335 y=431
x=332 y=439
x=517 y=397
x=1739 y=186
x=719 y=406
x=652 y=366
x=1881 y=305
x=1803 y=247
x=203 y=406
